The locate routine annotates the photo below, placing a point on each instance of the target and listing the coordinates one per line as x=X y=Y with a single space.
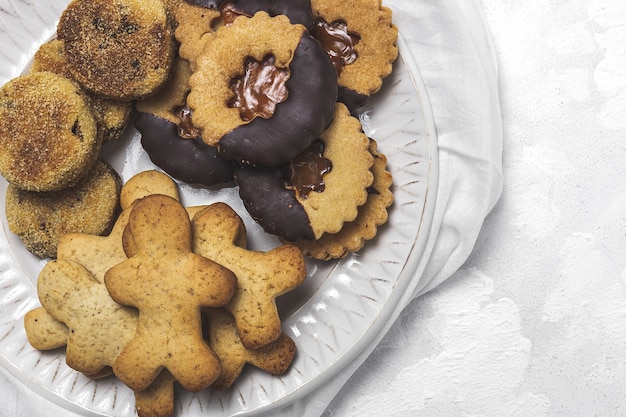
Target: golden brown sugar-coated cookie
x=223 y=338
x=40 y=219
x=373 y=214
x=49 y=136
x=99 y=327
x=361 y=39
x=120 y=49
x=168 y=284
x=261 y=276
x=113 y=115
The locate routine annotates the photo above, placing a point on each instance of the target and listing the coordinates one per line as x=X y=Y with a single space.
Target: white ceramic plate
x=332 y=316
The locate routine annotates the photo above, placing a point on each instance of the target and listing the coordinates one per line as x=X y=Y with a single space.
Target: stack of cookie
x=77 y=96
x=267 y=93
x=171 y=295
x=260 y=94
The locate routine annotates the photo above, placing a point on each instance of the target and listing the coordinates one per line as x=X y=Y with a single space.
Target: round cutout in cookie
x=171 y=140
x=49 y=135
x=120 y=49
x=374 y=213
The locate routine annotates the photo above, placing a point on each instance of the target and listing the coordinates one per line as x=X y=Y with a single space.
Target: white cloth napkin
x=452 y=48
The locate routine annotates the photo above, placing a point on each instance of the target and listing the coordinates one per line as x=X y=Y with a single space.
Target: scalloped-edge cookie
x=373 y=214
x=362 y=41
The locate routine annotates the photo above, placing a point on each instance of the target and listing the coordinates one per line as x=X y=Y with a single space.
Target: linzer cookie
x=198 y=19
x=231 y=103
x=219 y=234
x=193 y=27
x=120 y=49
x=361 y=40
x=373 y=214
x=171 y=140
x=298 y=11
x=49 y=136
x=319 y=190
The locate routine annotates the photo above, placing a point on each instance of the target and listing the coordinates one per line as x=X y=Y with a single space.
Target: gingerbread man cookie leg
x=223 y=338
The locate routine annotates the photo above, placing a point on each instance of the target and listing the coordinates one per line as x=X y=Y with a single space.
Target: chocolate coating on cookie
x=298 y=121
x=352 y=99
x=189 y=160
x=298 y=11
x=271 y=205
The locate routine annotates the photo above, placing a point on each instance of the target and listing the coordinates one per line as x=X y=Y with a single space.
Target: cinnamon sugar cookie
x=120 y=49
x=41 y=218
x=112 y=115
x=49 y=136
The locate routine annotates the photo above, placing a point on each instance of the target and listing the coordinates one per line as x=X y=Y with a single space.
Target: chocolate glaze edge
x=271 y=205
x=298 y=11
x=188 y=160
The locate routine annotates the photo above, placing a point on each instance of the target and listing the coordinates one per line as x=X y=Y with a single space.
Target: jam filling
x=230 y=12
x=185 y=127
x=259 y=89
x=305 y=173
x=338 y=42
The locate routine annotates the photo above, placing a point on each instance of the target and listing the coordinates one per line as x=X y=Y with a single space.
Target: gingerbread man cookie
x=261 y=276
x=168 y=284
x=73 y=296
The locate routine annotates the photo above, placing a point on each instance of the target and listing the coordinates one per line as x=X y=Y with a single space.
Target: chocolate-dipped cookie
x=361 y=40
x=170 y=139
x=187 y=159
x=260 y=127
x=316 y=192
